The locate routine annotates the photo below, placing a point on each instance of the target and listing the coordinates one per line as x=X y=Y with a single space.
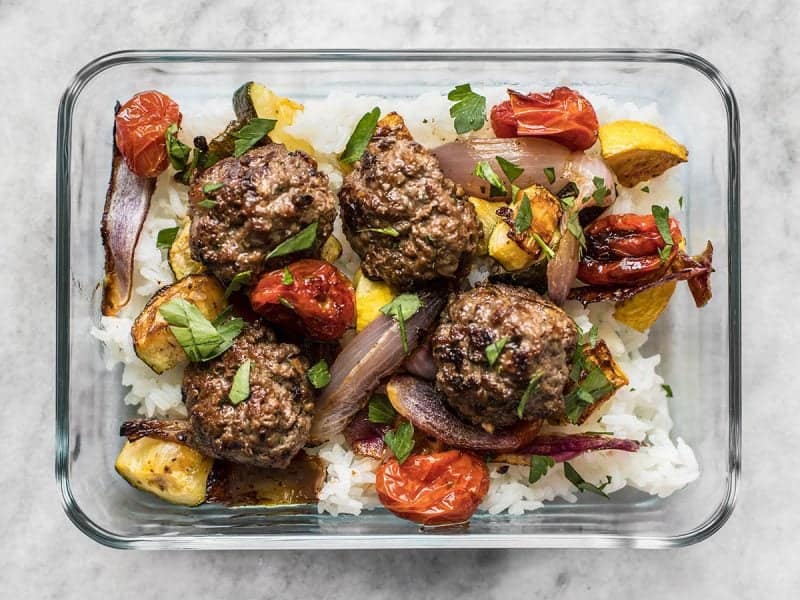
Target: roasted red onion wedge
x=365 y=437
x=127 y=203
x=373 y=354
x=420 y=402
x=420 y=363
x=561 y=447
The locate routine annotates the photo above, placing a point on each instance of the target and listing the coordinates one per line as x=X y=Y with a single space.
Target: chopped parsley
x=591 y=384
x=496 y=187
x=494 y=349
x=680 y=202
x=390 y=231
x=401 y=308
x=239 y=280
x=250 y=134
x=240 y=388
x=510 y=170
x=319 y=376
x=207 y=203
x=533 y=384
x=545 y=248
x=584 y=486
x=284 y=302
x=177 y=151
x=646 y=189
x=601 y=191
x=661 y=217
x=381 y=410
x=550 y=173
x=166 y=237
x=469 y=110
x=300 y=241
x=540 y=465
x=200 y=338
x=400 y=441
x=574 y=227
x=210 y=188
x=524 y=216
x=667 y=390
x=287 y=278
x=589 y=337
x=359 y=139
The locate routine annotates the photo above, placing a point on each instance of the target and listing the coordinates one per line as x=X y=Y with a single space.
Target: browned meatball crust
x=272 y=424
x=541 y=342
x=268 y=195
x=398 y=184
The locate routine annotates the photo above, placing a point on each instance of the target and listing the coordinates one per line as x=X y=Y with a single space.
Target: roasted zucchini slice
x=370 y=297
x=171 y=471
x=487 y=215
x=180 y=254
x=152 y=339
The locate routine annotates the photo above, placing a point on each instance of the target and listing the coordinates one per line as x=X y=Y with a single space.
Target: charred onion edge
x=167 y=430
x=561 y=447
x=373 y=354
x=127 y=203
x=423 y=405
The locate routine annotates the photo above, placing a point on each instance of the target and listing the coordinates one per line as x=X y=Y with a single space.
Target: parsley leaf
x=381 y=410
x=550 y=173
x=494 y=349
x=166 y=237
x=319 y=375
x=286 y=303
x=200 y=339
x=524 y=216
x=390 y=231
x=300 y=241
x=589 y=337
x=401 y=308
x=588 y=390
x=496 y=187
x=667 y=390
x=401 y=441
x=469 y=110
x=252 y=133
x=207 y=203
x=646 y=189
x=680 y=202
x=240 y=389
x=288 y=278
x=510 y=170
x=567 y=202
x=601 y=191
x=533 y=384
x=545 y=248
x=177 y=151
x=210 y=188
x=359 y=139
x=540 y=465
x=661 y=217
x=239 y=280
x=579 y=482
x=574 y=227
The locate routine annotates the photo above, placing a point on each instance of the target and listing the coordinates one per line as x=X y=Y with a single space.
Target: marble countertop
x=754 y=44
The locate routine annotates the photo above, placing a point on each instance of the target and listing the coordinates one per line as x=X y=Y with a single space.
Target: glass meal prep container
x=700 y=348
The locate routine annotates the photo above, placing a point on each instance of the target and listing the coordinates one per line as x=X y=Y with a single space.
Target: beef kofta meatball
x=269 y=427
x=402 y=216
x=541 y=339
x=267 y=195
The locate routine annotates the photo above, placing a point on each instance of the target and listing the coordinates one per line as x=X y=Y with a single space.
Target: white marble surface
x=754 y=44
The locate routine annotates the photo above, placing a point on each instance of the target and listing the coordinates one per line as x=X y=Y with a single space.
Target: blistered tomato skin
x=561 y=115
x=443 y=488
x=319 y=300
x=139 y=132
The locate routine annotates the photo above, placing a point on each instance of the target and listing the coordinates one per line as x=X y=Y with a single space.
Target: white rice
x=639 y=411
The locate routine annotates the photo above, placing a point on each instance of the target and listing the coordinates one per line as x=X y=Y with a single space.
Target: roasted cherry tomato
x=625 y=250
x=433 y=489
x=562 y=115
x=139 y=131
x=314 y=292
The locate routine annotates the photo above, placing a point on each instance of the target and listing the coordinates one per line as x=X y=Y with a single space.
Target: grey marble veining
x=754 y=44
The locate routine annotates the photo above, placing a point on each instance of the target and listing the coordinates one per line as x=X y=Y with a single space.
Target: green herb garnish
x=574 y=227
x=496 y=187
x=381 y=410
x=401 y=308
x=667 y=390
x=529 y=391
x=539 y=466
x=239 y=280
x=579 y=482
x=240 y=389
x=250 y=134
x=550 y=173
x=646 y=189
x=469 y=110
x=300 y=241
x=494 y=349
x=359 y=139
x=200 y=339
x=545 y=248
x=319 y=375
x=524 y=216
x=601 y=191
x=284 y=302
x=210 y=188
x=567 y=202
x=390 y=231
x=401 y=441
x=586 y=391
x=661 y=217
x=680 y=202
x=207 y=203
x=590 y=337
x=177 y=151
x=287 y=278
x=166 y=237
x=511 y=170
